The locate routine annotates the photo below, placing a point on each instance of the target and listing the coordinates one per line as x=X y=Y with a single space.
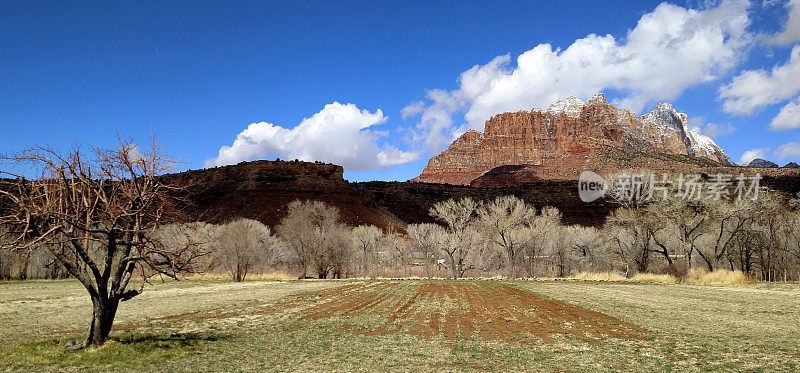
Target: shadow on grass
x=123 y=350
x=165 y=340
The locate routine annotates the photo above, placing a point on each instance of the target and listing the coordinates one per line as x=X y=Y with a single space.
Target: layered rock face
x=569 y=131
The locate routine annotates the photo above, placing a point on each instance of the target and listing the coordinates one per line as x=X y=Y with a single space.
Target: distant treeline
x=505 y=236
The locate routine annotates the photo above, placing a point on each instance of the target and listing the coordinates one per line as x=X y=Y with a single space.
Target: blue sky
x=197 y=74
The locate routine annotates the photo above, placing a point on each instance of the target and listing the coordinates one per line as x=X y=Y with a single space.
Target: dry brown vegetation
x=505 y=237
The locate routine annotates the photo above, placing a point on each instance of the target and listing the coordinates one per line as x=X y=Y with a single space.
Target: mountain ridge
x=570 y=130
x=263 y=189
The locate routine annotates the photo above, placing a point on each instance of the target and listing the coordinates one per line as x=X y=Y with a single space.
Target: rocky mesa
x=567 y=138
x=262 y=190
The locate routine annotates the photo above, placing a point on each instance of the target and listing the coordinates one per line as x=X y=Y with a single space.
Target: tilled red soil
x=471 y=310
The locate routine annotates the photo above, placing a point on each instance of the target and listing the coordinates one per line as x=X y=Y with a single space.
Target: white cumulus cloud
x=752 y=154
x=712 y=130
x=669 y=50
x=791 y=30
x=436 y=122
x=752 y=90
x=413 y=109
x=715 y=130
x=790 y=150
x=339 y=133
x=788 y=118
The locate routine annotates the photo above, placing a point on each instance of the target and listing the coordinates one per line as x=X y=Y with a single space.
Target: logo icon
x=591 y=186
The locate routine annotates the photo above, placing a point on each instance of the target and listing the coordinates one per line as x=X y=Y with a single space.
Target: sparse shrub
x=600 y=276
x=654 y=278
x=678 y=271
x=701 y=276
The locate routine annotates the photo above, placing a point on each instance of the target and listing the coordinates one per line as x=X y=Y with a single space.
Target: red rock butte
x=569 y=137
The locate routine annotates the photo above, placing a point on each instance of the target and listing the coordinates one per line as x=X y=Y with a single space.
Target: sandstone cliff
x=568 y=137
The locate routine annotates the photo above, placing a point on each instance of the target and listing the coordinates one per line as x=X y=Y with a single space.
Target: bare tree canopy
x=242 y=245
x=366 y=239
x=426 y=239
x=96 y=212
x=314 y=232
x=456 y=214
x=507 y=220
x=461 y=242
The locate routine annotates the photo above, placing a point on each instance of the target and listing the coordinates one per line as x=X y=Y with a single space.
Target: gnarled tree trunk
x=103 y=313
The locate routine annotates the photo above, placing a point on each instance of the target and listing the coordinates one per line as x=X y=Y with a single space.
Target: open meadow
x=408 y=325
x=400 y=186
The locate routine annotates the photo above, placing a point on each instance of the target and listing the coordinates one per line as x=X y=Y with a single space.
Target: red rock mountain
x=567 y=138
x=262 y=190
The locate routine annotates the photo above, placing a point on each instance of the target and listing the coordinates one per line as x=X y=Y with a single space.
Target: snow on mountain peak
x=665 y=117
x=570 y=106
x=667 y=122
x=699 y=141
x=598 y=98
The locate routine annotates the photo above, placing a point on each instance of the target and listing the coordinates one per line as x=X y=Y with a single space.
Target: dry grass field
x=409 y=325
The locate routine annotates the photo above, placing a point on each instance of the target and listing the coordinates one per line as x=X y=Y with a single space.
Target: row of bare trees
x=505 y=236
x=759 y=237
x=509 y=237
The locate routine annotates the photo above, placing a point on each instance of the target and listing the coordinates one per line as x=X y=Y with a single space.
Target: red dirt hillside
x=261 y=190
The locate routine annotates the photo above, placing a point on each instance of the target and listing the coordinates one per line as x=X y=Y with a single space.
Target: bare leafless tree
x=507 y=220
x=339 y=259
x=539 y=238
x=96 y=212
x=686 y=221
x=582 y=245
x=398 y=249
x=365 y=240
x=314 y=232
x=426 y=238
x=728 y=221
x=472 y=245
x=458 y=215
x=242 y=245
x=638 y=235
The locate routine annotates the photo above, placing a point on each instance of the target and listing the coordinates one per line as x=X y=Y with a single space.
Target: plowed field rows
x=468 y=310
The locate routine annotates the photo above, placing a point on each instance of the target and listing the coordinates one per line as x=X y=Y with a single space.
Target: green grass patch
x=126 y=350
